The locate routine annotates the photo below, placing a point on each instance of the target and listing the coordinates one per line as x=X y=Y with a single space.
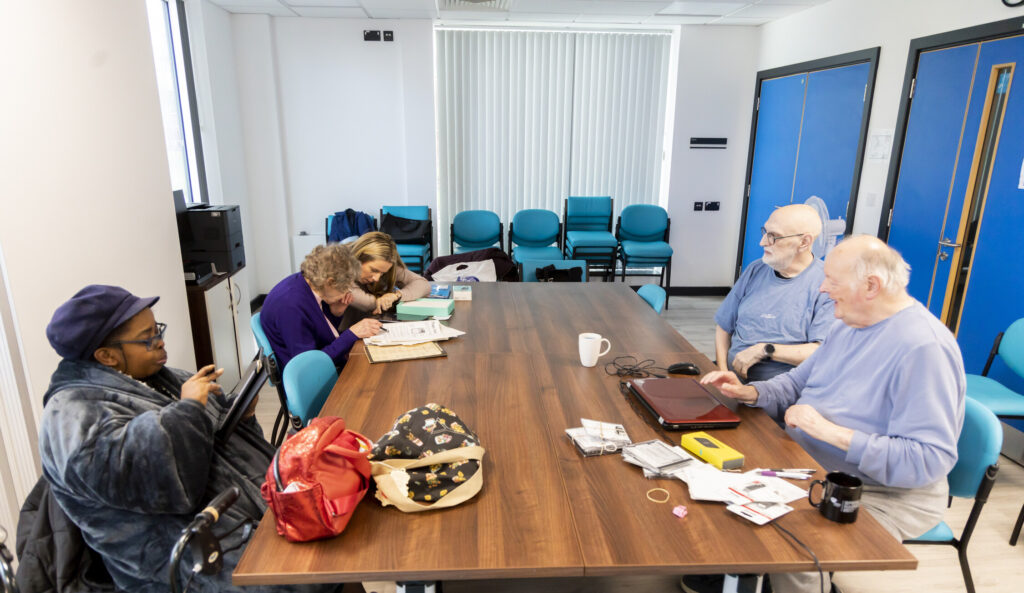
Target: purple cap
x=79 y=326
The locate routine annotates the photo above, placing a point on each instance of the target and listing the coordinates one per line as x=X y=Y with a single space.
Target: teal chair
x=308 y=380
x=416 y=256
x=1004 y=402
x=972 y=477
x=528 y=268
x=588 y=234
x=654 y=295
x=476 y=229
x=535 y=234
x=269 y=359
x=642 y=231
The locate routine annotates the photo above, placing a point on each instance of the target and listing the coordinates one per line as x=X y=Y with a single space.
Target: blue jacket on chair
x=350 y=223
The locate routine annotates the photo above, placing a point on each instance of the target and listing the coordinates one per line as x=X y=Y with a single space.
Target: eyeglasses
x=772 y=237
x=148 y=342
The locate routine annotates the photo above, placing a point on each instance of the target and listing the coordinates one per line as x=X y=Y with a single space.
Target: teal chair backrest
x=261 y=336
x=643 y=222
x=410 y=212
x=980 y=441
x=529 y=267
x=654 y=295
x=588 y=213
x=308 y=380
x=1011 y=348
x=534 y=228
x=476 y=228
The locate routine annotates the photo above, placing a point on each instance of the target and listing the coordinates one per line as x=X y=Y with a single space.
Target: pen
x=792 y=470
x=792 y=476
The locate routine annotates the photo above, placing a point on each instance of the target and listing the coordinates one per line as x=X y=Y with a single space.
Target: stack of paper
x=598 y=438
x=412 y=332
x=657 y=459
x=752 y=496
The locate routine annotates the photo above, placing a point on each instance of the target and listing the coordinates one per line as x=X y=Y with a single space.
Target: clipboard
x=377 y=354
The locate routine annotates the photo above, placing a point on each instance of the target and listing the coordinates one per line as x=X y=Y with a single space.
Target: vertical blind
x=527 y=118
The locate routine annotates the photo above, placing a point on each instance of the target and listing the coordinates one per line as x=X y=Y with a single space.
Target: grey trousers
x=905 y=513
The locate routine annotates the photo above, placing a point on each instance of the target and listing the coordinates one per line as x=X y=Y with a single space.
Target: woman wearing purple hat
x=127 y=443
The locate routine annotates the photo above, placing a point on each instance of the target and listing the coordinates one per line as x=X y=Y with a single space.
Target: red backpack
x=316 y=479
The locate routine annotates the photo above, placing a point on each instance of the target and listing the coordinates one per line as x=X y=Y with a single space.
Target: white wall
x=842 y=26
x=83 y=170
x=717 y=71
x=329 y=122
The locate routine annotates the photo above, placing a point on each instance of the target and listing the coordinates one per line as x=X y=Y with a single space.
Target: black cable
x=629 y=366
x=188 y=582
x=821 y=574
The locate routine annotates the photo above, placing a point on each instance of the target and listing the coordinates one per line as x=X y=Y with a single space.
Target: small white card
x=760 y=512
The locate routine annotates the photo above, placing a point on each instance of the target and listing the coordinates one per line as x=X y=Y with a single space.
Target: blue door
x=958 y=212
x=805 y=144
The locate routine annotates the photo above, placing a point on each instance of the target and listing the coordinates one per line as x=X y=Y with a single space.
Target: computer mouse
x=683 y=368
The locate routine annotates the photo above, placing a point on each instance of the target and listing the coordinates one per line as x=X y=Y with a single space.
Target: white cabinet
x=219 y=309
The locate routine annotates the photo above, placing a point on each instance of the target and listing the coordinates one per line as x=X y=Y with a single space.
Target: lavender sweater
x=294 y=323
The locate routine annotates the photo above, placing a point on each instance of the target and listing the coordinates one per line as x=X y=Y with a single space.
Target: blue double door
x=958 y=208
x=806 y=143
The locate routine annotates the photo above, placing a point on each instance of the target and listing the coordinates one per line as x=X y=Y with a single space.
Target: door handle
x=947 y=243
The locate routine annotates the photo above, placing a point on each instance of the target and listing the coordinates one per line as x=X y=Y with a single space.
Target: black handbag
x=405 y=230
x=552 y=274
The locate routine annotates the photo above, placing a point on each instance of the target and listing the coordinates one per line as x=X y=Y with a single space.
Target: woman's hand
x=366 y=328
x=385 y=301
x=200 y=385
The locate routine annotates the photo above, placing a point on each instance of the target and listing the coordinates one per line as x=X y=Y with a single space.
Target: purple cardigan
x=294 y=323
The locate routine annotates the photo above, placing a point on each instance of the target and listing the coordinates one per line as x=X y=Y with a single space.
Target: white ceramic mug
x=590 y=348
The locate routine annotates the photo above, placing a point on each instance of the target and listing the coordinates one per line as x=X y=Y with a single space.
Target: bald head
x=797 y=219
x=864 y=256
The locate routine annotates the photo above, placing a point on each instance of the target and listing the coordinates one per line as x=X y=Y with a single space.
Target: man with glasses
x=774 y=317
x=128 y=447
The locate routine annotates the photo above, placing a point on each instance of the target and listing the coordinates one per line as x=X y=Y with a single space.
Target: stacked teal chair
x=642 y=231
x=528 y=268
x=535 y=234
x=972 y=477
x=588 y=232
x=308 y=380
x=1003 y=401
x=654 y=295
x=476 y=229
x=415 y=255
x=269 y=359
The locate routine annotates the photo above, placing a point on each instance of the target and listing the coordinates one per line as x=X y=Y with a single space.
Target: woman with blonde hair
x=383 y=278
x=293 y=314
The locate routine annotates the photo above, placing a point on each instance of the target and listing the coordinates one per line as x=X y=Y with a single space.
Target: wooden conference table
x=544 y=510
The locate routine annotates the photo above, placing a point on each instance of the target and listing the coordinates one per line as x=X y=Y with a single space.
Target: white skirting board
x=301 y=246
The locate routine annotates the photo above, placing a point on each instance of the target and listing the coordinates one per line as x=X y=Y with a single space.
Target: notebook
x=682 y=404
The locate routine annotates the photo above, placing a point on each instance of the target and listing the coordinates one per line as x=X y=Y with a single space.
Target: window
x=527 y=118
x=169 y=35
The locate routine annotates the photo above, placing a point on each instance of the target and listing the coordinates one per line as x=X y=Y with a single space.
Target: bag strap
x=277 y=472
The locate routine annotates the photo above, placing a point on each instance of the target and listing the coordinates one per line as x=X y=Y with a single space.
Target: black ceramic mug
x=840 y=497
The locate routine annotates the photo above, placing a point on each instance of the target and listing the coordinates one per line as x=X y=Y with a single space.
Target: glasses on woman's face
x=771 y=238
x=150 y=341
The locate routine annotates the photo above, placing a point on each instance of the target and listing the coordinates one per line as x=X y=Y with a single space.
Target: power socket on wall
x=712 y=206
x=698 y=206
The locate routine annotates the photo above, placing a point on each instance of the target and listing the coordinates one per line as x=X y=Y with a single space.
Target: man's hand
x=366 y=328
x=730 y=385
x=251 y=410
x=816 y=426
x=200 y=385
x=385 y=301
x=747 y=358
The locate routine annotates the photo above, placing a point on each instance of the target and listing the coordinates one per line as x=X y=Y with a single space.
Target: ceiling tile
x=322 y=3
x=674 y=19
x=702 y=8
x=271 y=7
x=550 y=17
x=340 y=12
x=556 y=6
x=738 y=20
x=772 y=11
x=401 y=14
x=609 y=18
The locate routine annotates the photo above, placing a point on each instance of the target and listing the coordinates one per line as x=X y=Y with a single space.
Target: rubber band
x=652 y=499
x=609 y=447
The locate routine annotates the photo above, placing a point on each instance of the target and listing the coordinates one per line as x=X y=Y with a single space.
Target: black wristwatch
x=769 y=350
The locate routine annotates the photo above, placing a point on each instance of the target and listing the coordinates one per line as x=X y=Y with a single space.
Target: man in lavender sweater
x=881 y=399
x=293 y=314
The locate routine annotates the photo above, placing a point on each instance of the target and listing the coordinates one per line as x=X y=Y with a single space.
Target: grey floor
x=995 y=564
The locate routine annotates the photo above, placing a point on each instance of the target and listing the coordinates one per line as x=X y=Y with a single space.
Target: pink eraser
x=679 y=511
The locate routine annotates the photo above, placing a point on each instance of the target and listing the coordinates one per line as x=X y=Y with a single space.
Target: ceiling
x=653 y=12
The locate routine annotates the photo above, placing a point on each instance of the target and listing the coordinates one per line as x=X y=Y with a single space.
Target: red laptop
x=682 y=404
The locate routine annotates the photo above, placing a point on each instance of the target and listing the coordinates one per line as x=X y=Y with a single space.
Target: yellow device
x=711 y=450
